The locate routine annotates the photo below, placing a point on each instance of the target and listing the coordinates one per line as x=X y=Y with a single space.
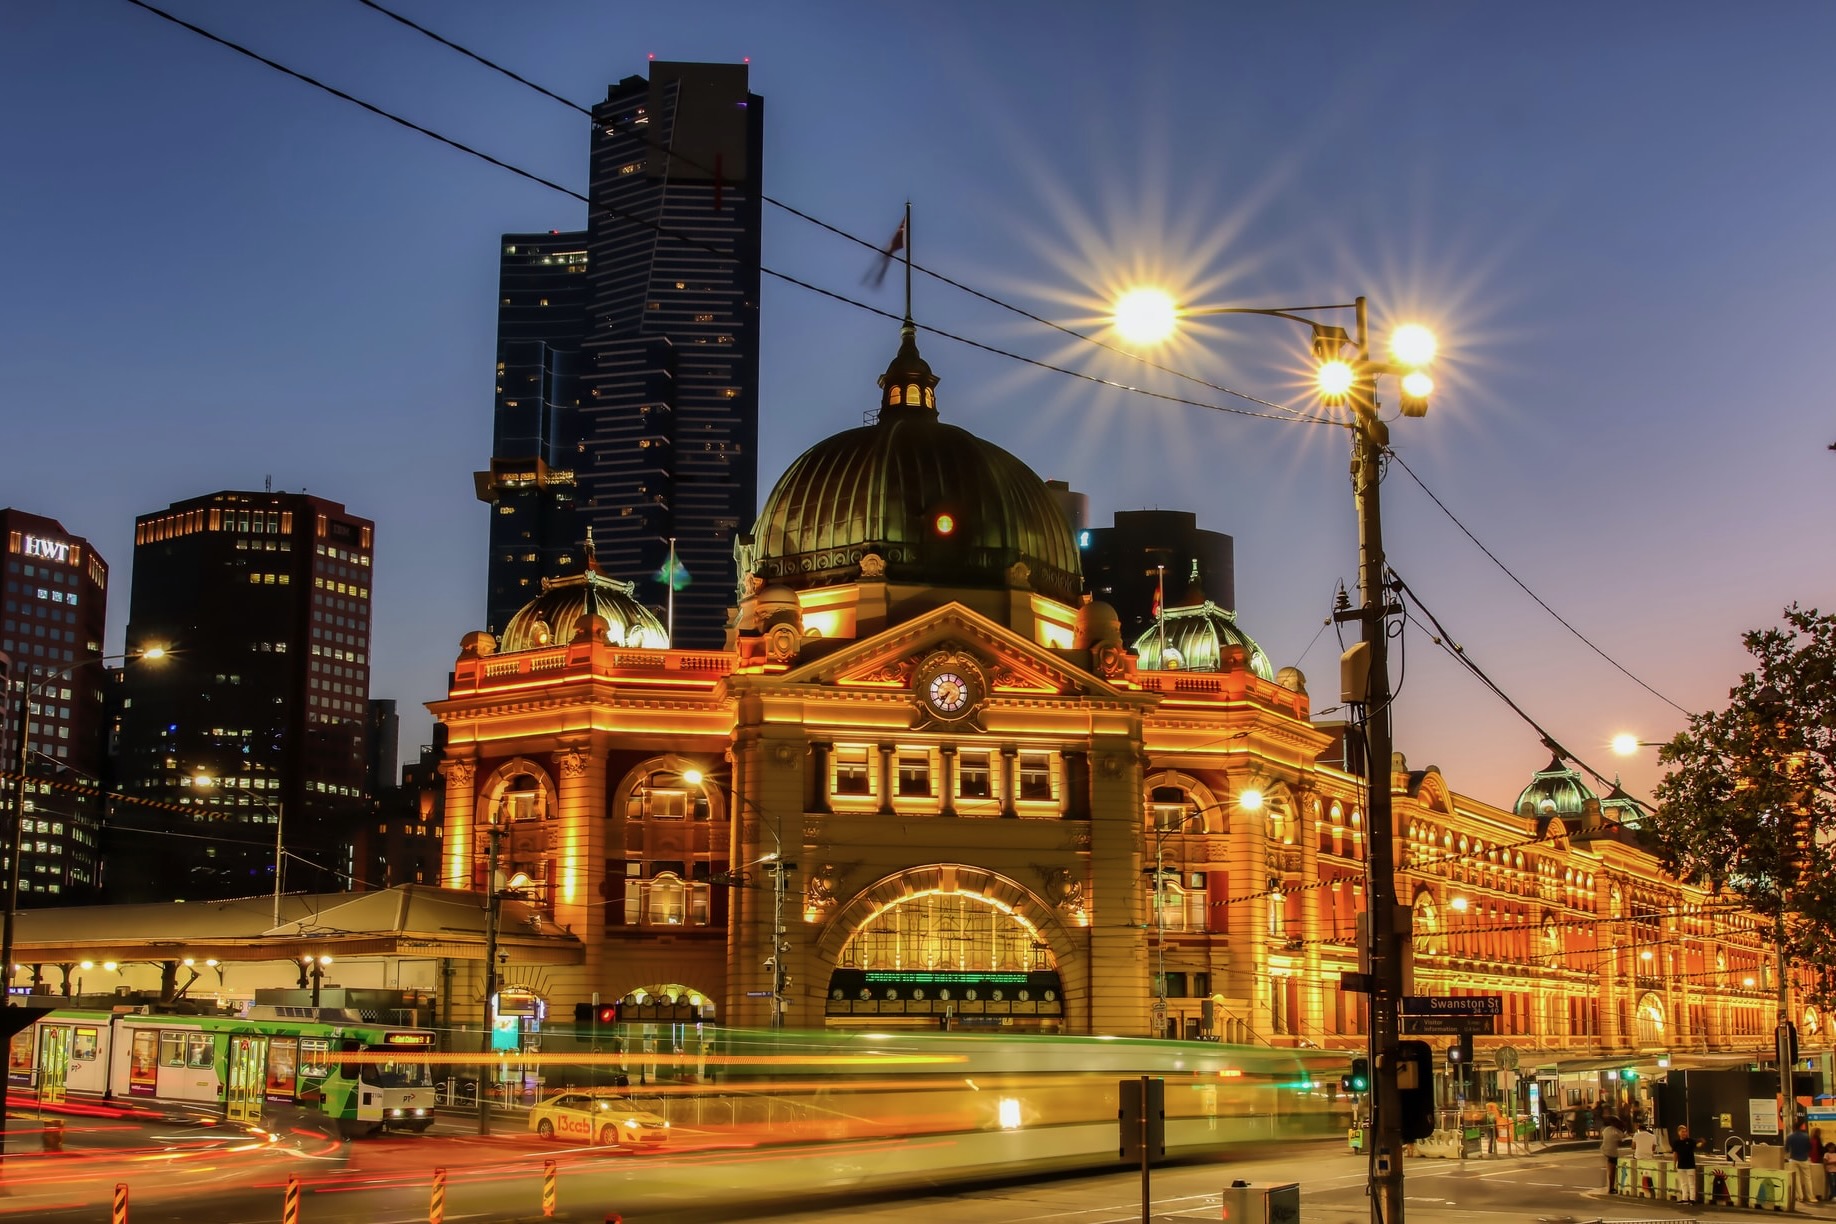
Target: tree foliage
x=1747 y=808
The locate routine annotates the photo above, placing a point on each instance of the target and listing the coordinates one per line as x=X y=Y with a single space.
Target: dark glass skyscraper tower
x=662 y=444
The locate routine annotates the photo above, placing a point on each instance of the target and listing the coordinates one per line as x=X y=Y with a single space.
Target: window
x=171 y=1049
x=1170 y=806
x=973 y=776
x=914 y=775
x=851 y=777
x=1035 y=775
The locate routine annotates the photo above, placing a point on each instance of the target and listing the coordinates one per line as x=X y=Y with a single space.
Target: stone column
x=1315 y=996
x=1010 y=773
x=580 y=849
x=1247 y=909
x=946 y=796
x=460 y=813
x=1120 y=967
x=887 y=779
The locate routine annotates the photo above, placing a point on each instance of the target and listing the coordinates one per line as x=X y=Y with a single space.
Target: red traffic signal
x=607 y=1013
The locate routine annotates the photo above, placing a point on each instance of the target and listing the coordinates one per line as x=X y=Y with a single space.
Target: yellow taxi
x=585 y=1117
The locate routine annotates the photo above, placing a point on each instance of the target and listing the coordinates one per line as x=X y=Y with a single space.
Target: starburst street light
x=1347 y=375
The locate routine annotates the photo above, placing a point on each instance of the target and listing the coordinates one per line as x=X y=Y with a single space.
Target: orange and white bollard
x=436 y=1206
x=120 y=1213
x=548 y=1189
x=290 y=1210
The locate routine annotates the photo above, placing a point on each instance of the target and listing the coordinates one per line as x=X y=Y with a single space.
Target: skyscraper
x=56 y=607
x=1128 y=565
x=253 y=731
x=662 y=445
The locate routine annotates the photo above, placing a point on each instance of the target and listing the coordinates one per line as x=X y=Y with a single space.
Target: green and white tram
x=255 y=1068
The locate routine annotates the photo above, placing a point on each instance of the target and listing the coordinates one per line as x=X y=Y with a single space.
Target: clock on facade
x=949 y=685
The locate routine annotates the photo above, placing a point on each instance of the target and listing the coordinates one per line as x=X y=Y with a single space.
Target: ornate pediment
x=974 y=657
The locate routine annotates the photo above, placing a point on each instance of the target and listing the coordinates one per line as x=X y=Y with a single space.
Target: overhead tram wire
x=1289 y=414
x=665 y=231
x=1491 y=556
x=864 y=243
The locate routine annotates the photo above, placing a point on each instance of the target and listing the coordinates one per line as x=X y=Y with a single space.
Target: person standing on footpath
x=1685 y=1149
x=1797 y=1155
x=1611 y=1134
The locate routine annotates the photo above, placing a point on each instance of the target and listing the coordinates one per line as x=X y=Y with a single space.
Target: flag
x=673 y=574
x=1160 y=589
x=886 y=255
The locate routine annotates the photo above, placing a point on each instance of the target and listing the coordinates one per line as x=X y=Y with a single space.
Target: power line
x=1493 y=557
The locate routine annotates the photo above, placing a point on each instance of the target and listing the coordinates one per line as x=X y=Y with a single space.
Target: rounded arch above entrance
x=955 y=918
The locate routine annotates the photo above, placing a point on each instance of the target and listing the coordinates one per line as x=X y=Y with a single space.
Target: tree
x=1747 y=808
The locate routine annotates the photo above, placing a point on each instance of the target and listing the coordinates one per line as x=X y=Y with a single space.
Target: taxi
x=585 y=1117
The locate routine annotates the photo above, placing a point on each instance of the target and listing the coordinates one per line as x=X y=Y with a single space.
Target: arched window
x=673 y=868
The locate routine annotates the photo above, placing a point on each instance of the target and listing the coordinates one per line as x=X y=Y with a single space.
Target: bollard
x=54 y=1134
x=119 y=1215
x=436 y=1205
x=548 y=1189
x=290 y=1209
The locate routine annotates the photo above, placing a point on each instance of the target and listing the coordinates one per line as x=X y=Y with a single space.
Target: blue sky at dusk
x=1618 y=217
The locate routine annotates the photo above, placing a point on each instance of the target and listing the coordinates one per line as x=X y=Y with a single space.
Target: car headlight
x=420 y=1113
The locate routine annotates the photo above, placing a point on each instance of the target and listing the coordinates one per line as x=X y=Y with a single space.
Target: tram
x=256 y=1068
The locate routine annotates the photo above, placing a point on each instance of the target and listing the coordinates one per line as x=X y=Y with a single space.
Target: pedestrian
x=1685 y=1148
x=1610 y=1136
x=1644 y=1143
x=1797 y=1156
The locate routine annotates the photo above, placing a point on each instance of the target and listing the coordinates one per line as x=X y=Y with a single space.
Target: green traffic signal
x=1360 y=1078
x=1628 y=1073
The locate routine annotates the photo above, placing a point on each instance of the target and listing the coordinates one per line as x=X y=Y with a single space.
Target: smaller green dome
x=1197 y=636
x=1555 y=791
x=553 y=617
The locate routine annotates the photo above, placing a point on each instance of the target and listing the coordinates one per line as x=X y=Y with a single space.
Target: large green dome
x=937 y=504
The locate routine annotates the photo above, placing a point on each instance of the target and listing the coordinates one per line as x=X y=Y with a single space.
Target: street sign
x=1444 y=1025
x=1453 y=1005
x=1505 y=1057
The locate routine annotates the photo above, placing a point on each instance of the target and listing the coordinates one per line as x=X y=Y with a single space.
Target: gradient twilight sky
x=1617 y=216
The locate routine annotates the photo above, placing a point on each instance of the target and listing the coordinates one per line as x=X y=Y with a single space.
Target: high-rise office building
x=1148 y=551
x=531 y=485
x=662 y=445
x=51 y=633
x=253 y=732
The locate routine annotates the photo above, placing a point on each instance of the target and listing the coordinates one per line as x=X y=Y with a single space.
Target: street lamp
x=1249 y=799
x=15 y=835
x=1628 y=744
x=773 y=862
x=1347 y=375
x=23 y=755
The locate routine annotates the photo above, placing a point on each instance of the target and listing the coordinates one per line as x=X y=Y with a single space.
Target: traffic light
x=1360 y=1078
x=1454 y=1054
x=1628 y=1074
x=583 y=1013
x=607 y=1013
x=588 y=1014
x=1415 y=1089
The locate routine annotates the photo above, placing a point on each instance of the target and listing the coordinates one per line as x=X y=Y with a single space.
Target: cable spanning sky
x=1616 y=218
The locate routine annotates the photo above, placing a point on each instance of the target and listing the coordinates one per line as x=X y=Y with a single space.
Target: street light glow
x=1412 y=345
x=1335 y=378
x=1417 y=385
x=1145 y=316
x=693 y=776
x=1626 y=744
x=1250 y=800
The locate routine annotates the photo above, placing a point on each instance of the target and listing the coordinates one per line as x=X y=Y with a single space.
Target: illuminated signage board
x=47 y=549
x=408 y=1039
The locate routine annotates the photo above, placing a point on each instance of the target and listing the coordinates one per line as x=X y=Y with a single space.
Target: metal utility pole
x=490 y=982
x=1370 y=438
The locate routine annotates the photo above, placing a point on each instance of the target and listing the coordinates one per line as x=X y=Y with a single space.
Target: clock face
x=948 y=693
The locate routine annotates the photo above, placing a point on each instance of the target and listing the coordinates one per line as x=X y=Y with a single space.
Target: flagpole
x=1160 y=610
x=908 y=261
x=669 y=584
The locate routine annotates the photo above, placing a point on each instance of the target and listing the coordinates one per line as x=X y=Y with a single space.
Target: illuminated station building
x=960 y=797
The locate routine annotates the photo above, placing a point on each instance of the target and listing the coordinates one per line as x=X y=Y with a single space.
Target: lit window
x=973 y=776
x=851 y=777
x=1035 y=775
x=914 y=775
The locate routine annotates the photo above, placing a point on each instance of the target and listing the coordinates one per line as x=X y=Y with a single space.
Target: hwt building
x=927 y=781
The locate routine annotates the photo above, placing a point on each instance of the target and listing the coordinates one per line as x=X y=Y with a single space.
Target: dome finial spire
x=592 y=554
x=908 y=382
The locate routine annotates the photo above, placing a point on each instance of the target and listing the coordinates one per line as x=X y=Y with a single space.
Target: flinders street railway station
x=928 y=782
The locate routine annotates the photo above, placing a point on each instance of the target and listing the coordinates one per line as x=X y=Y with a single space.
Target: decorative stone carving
x=1019 y=575
x=477 y=645
x=460 y=772
x=1063 y=890
x=1111 y=764
x=573 y=763
x=783 y=642
x=1108 y=659
x=873 y=565
x=783 y=755
x=896 y=671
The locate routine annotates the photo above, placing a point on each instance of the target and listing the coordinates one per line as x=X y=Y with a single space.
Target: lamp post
x=493 y=898
x=1347 y=375
x=1250 y=800
x=774 y=862
x=16 y=820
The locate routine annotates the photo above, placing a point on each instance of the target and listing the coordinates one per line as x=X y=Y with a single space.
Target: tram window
x=171 y=1049
x=83 y=1045
x=19 y=1053
x=315 y=1057
x=282 y=1063
x=200 y=1050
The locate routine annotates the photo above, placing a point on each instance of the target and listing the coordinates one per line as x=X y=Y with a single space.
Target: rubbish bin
x=1262 y=1202
x=54 y=1134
